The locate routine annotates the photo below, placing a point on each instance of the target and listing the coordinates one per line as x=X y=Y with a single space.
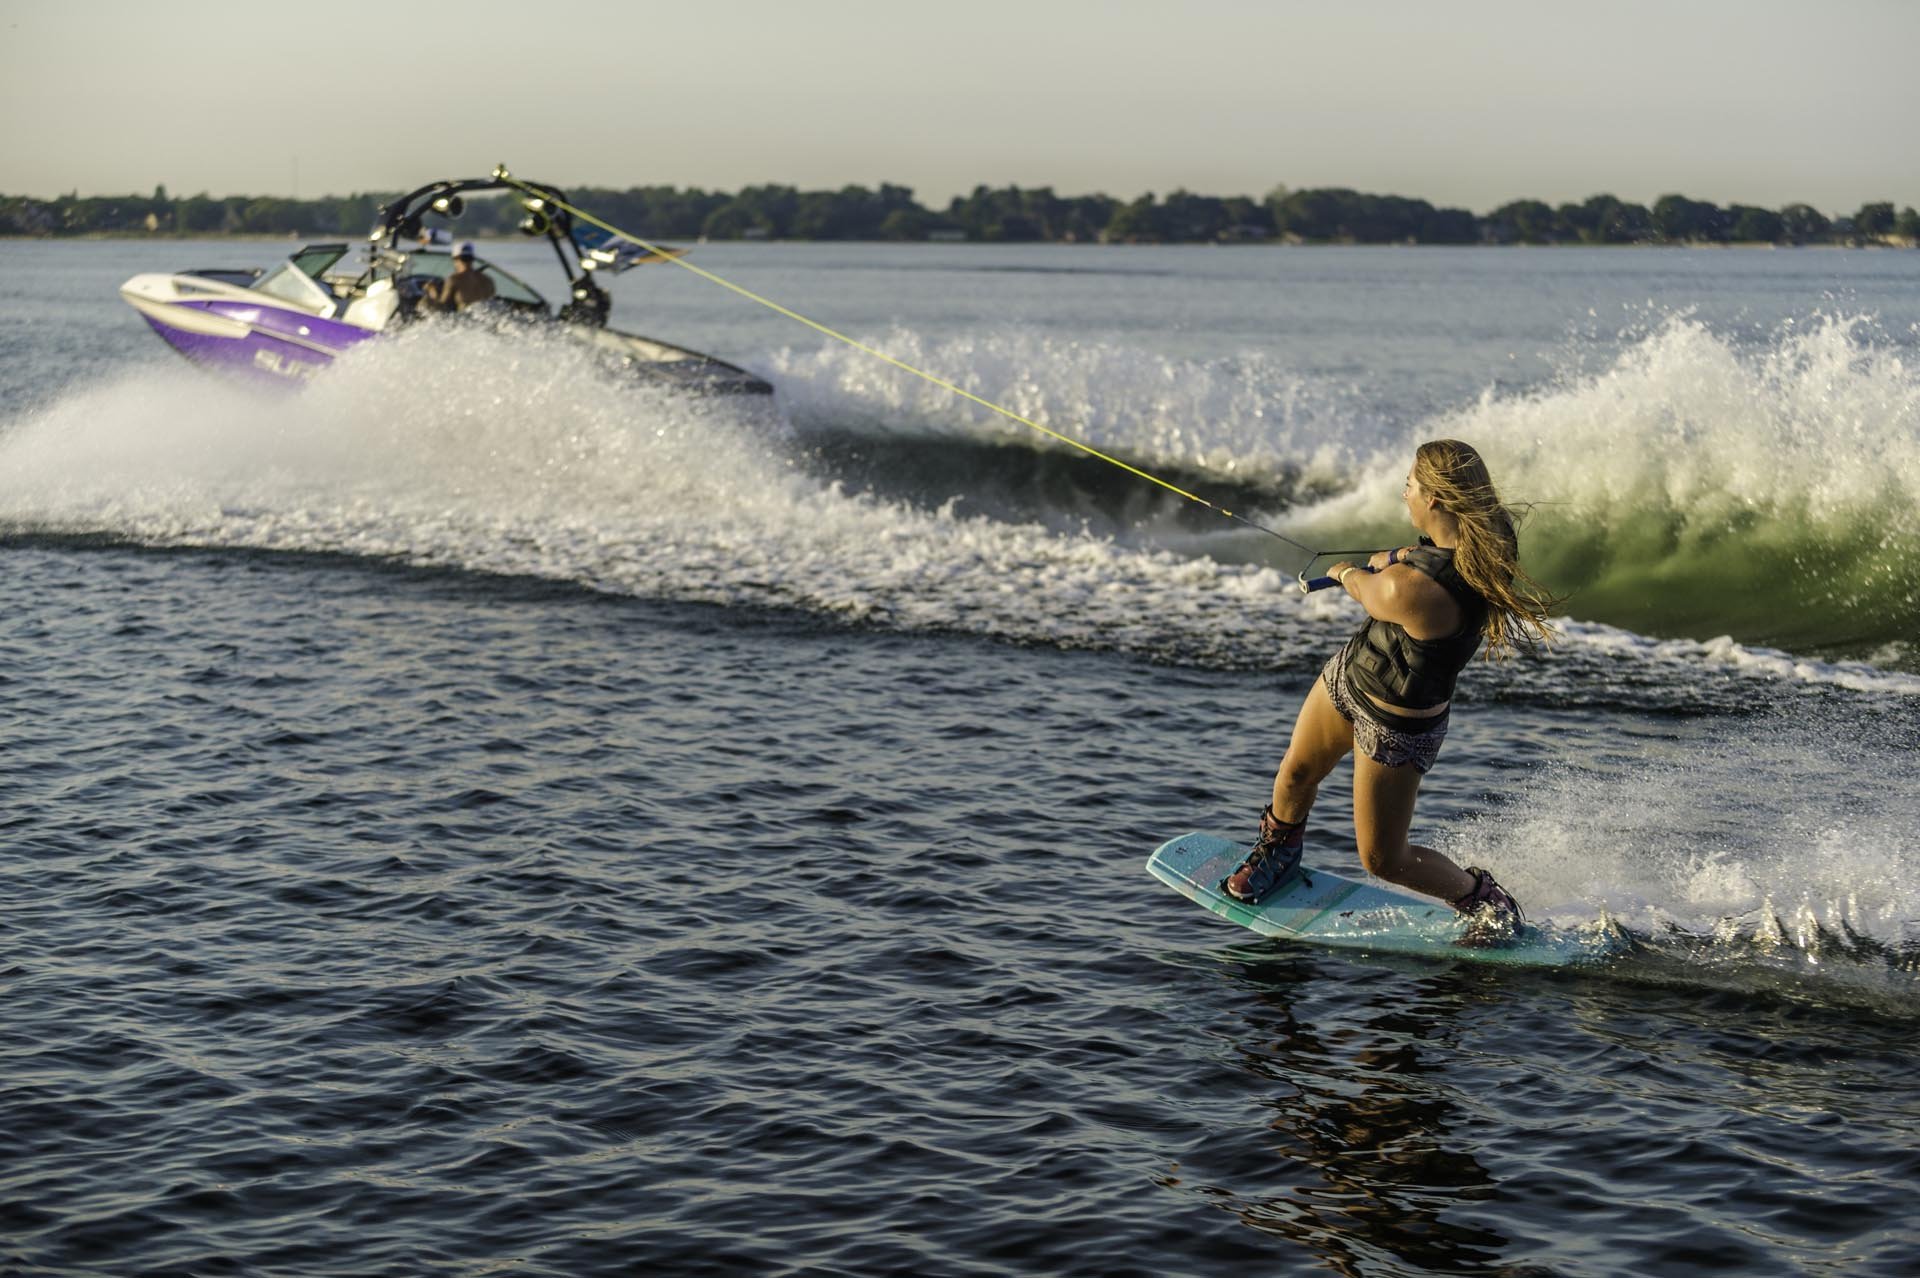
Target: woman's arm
x=1402 y=594
x=1383 y=558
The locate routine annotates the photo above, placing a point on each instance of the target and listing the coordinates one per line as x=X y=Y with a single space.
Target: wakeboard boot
x=1275 y=855
x=1493 y=916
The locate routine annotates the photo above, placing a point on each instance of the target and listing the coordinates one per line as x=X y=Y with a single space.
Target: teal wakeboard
x=1321 y=907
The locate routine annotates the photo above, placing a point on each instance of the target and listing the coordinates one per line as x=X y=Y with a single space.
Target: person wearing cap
x=467 y=286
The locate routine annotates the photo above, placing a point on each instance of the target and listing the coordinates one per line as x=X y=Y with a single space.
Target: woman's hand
x=1338 y=572
x=1384 y=558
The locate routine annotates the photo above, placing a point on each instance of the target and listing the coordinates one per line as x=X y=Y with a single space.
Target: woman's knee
x=1381 y=857
x=1299 y=771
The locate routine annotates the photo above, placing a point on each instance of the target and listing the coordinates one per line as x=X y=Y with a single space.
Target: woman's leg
x=1321 y=735
x=1382 y=814
x=1321 y=738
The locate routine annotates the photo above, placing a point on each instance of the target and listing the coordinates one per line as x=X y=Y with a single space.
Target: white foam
x=1723 y=653
x=1736 y=828
x=1245 y=415
x=452 y=454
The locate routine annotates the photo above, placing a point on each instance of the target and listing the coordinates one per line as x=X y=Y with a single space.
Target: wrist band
x=1342 y=578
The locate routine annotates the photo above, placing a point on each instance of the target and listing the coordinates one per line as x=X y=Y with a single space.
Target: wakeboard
x=1322 y=907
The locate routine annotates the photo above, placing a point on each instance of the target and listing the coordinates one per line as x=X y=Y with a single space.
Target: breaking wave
x=1696 y=489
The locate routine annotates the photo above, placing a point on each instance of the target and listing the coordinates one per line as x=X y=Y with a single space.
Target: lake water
x=471 y=817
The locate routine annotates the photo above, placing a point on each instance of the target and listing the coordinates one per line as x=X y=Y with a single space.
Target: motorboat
x=286 y=324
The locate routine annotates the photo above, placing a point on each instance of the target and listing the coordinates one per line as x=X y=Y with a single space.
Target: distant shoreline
x=1006 y=215
x=257 y=237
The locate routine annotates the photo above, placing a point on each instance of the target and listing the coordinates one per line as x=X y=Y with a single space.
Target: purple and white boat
x=286 y=324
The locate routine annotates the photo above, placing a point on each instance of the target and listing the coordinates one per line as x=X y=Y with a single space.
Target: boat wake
x=455 y=449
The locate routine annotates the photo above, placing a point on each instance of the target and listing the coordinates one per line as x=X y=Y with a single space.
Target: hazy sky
x=1464 y=102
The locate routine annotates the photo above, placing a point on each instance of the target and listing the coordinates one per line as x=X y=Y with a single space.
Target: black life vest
x=1391 y=666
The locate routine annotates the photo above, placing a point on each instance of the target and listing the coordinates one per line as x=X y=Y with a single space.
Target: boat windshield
x=314 y=259
x=438 y=266
x=291 y=284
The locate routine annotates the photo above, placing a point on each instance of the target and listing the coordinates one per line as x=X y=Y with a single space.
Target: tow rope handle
x=1310 y=584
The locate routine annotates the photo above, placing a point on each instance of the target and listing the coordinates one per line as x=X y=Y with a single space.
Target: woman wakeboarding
x=1386 y=696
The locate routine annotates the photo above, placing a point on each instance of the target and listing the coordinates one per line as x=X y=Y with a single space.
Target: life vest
x=1391 y=666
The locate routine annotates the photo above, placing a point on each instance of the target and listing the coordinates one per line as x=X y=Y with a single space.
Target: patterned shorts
x=1388 y=747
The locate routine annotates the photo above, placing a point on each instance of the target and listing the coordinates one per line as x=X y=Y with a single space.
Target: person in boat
x=1387 y=695
x=467 y=286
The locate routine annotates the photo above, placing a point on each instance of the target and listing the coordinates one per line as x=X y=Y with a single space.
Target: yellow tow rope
x=677 y=257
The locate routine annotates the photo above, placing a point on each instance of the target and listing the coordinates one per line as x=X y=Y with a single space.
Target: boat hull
x=205 y=321
x=234 y=330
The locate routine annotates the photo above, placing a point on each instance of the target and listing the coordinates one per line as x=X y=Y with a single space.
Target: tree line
x=1004 y=215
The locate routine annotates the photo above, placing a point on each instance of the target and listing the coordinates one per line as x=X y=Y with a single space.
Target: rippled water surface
x=365 y=920
x=470 y=819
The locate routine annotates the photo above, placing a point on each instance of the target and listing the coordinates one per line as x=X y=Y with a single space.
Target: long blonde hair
x=1488 y=556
